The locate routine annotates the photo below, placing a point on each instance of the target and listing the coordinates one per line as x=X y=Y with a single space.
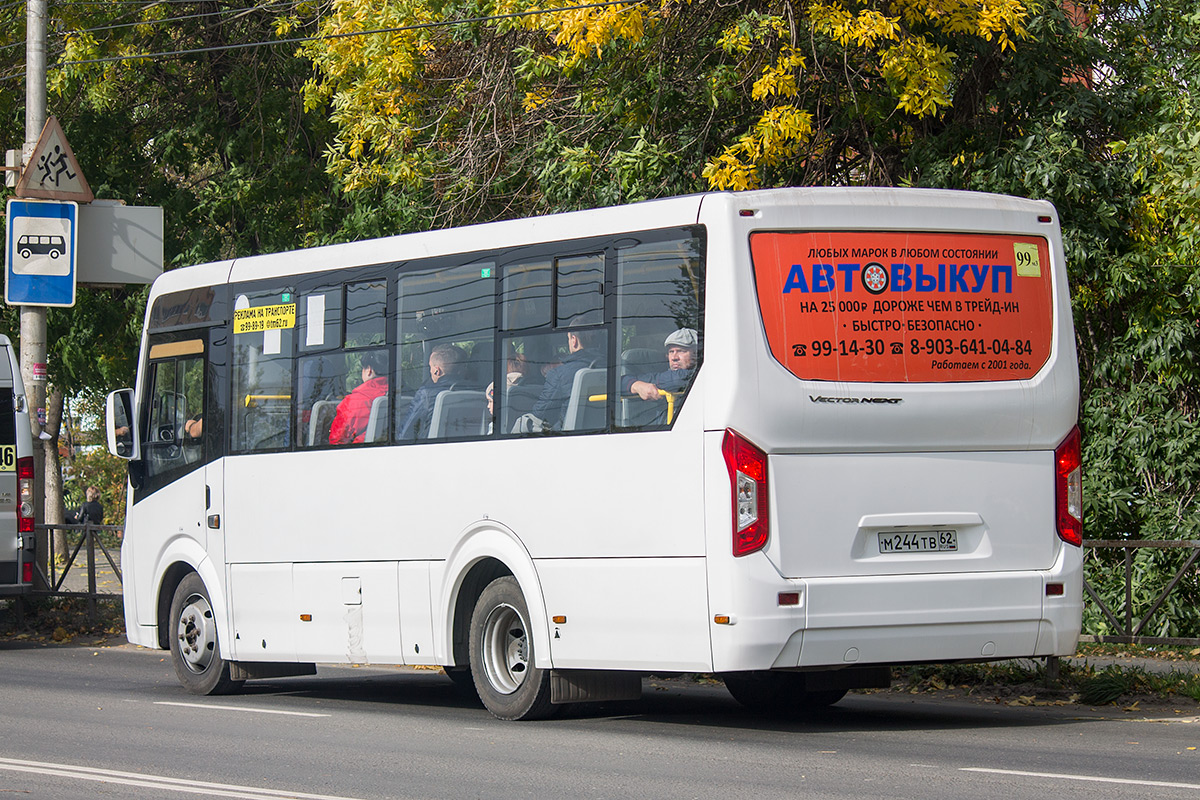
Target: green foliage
x=1105 y=687
x=97 y=467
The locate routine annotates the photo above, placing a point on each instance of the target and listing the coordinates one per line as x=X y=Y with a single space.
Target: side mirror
x=119 y=424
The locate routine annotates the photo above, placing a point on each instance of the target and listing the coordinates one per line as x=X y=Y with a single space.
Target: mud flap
x=593 y=685
x=249 y=670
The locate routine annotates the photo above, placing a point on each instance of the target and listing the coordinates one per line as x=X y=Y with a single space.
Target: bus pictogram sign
x=39 y=255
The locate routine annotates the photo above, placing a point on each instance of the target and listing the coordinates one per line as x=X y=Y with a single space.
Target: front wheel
x=195 y=650
x=502 y=655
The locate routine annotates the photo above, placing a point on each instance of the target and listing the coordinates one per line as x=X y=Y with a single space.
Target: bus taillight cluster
x=1068 y=461
x=747 y=466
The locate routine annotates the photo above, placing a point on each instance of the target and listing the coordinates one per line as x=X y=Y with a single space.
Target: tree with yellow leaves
x=497 y=108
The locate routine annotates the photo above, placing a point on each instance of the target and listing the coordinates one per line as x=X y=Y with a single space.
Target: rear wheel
x=195 y=650
x=778 y=692
x=502 y=655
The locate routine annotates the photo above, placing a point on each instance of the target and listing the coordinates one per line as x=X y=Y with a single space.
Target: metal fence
x=89 y=567
x=1124 y=619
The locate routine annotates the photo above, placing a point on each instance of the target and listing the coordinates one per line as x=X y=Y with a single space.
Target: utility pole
x=33 y=318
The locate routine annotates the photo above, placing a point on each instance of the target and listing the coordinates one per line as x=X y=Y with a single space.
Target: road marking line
x=247 y=709
x=155 y=781
x=1093 y=778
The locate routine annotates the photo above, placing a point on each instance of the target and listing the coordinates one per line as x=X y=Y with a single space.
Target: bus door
x=174 y=437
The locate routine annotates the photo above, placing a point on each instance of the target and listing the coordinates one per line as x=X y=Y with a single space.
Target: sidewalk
x=1159 y=666
x=107 y=581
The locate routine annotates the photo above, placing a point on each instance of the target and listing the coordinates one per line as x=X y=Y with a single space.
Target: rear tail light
x=25 y=494
x=1068 y=487
x=748 y=479
x=27 y=572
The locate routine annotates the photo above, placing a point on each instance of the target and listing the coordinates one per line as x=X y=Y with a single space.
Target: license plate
x=918 y=542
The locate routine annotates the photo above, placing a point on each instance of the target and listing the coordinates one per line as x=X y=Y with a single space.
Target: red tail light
x=1068 y=487
x=748 y=479
x=25 y=494
x=27 y=572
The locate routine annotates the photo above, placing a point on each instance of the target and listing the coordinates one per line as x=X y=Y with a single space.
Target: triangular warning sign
x=52 y=172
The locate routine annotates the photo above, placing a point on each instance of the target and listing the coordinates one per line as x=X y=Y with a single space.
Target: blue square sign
x=39 y=253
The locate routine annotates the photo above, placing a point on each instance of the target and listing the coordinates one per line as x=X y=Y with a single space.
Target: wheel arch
x=487 y=551
x=177 y=568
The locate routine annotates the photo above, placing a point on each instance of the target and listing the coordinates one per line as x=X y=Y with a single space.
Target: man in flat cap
x=681 y=362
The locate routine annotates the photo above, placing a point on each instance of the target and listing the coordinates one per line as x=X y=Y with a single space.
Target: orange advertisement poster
x=904 y=306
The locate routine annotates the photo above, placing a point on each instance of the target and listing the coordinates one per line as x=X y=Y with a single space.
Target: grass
x=1026 y=682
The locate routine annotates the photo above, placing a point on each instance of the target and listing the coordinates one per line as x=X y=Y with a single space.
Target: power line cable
x=302 y=39
x=167 y=20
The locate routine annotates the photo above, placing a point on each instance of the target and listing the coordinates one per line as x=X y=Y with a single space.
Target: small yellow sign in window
x=264 y=318
x=1029 y=260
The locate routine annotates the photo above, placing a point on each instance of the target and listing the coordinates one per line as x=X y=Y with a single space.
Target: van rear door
x=14 y=445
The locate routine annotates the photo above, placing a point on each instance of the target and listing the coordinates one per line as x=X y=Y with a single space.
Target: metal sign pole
x=33 y=318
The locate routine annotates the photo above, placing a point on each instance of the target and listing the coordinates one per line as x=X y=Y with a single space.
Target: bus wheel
x=778 y=692
x=194 y=647
x=502 y=656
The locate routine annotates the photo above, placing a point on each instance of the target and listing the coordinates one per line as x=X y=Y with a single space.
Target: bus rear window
x=903 y=306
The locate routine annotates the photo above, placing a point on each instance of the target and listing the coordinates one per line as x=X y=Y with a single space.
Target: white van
x=16 y=478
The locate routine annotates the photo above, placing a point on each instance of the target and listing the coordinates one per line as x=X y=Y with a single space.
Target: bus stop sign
x=39 y=253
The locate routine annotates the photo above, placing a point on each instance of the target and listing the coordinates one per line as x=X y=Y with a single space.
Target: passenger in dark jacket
x=445 y=367
x=551 y=404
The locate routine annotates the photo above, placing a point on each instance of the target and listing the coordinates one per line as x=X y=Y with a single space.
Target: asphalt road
x=87 y=722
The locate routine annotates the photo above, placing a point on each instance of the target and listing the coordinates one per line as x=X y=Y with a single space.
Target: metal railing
x=1131 y=627
x=73 y=572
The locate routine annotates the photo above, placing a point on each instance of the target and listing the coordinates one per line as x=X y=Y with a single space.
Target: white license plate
x=918 y=542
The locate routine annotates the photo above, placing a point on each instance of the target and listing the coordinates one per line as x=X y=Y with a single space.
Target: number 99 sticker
x=8 y=458
x=1029 y=261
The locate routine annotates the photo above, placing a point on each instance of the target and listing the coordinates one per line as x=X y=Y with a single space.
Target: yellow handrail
x=252 y=399
x=670 y=398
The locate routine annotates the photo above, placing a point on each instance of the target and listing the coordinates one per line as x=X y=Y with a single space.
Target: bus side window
x=658 y=294
x=264 y=324
x=446 y=343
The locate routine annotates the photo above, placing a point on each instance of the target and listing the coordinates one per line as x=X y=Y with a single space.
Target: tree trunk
x=53 y=470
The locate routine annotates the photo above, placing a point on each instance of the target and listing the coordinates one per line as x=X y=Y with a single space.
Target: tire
x=195 y=650
x=778 y=692
x=502 y=655
x=26 y=253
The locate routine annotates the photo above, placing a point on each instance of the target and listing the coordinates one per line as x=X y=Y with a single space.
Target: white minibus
x=793 y=437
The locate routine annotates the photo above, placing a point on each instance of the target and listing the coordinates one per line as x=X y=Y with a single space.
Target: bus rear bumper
x=898 y=619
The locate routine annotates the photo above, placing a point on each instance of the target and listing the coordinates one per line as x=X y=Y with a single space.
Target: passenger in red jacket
x=350 y=422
